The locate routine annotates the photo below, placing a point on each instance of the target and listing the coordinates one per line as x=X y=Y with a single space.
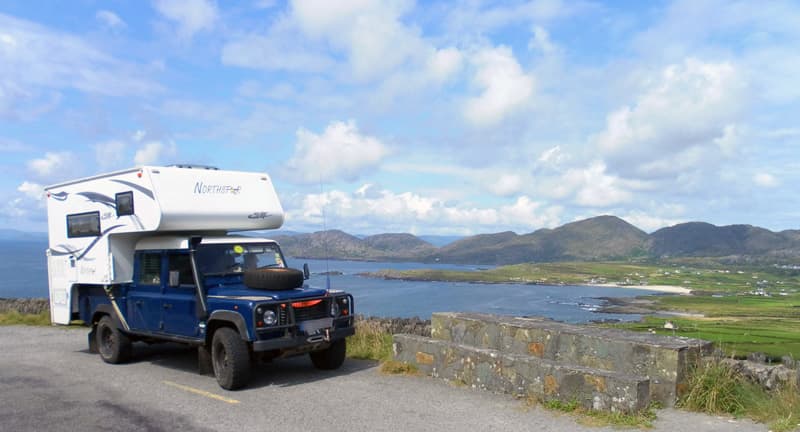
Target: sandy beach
x=660 y=288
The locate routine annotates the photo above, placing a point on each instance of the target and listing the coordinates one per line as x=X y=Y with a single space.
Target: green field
x=738 y=321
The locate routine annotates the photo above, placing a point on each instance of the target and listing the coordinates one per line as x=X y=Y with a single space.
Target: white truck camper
x=145 y=255
x=94 y=223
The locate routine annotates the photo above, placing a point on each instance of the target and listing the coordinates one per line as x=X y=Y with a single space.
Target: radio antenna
x=325 y=237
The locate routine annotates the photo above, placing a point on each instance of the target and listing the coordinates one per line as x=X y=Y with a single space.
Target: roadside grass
x=15 y=318
x=589 y=417
x=370 y=342
x=714 y=388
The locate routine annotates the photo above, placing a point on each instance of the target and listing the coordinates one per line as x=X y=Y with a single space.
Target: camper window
x=124 y=203
x=83 y=225
x=150 y=273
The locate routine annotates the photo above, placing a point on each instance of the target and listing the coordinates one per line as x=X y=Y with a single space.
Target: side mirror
x=306 y=272
x=174 y=278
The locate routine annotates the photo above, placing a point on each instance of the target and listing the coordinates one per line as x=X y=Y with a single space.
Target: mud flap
x=204 y=366
x=93 y=340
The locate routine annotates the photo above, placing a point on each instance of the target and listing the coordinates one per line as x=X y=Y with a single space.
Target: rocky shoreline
x=33 y=306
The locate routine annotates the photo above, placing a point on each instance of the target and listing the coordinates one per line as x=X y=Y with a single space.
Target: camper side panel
x=215 y=200
x=83 y=215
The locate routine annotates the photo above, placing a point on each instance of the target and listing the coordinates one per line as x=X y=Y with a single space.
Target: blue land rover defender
x=233 y=297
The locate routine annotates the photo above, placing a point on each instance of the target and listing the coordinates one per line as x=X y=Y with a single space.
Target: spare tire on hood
x=273 y=278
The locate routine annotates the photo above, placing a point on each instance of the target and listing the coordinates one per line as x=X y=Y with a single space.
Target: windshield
x=218 y=259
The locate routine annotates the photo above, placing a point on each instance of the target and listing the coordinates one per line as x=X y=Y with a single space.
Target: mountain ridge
x=600 y=238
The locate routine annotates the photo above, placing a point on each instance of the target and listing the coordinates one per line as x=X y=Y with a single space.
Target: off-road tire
x=273 y=278
x=330 y=358
x=113 y=346
x=230 y=359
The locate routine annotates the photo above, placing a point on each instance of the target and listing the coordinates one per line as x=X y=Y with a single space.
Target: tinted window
x=183 y=265
x=124 y=202
x=83 y=225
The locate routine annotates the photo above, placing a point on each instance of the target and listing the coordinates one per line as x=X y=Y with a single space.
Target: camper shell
x=144 y=254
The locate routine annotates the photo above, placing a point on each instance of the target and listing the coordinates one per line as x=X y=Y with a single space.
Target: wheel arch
x=225 y=318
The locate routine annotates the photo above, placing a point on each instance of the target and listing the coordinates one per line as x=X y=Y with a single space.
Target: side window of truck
x=150 y=272
x=181 y=263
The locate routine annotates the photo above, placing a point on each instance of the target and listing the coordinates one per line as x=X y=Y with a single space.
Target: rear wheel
x=230 y=359
x=331 y=357
x=112 y=345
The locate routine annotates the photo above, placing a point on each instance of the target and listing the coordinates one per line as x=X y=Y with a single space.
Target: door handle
x=167 y=306
x=139 y=302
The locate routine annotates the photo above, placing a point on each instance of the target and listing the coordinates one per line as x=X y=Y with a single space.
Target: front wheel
x=331 y=357
x=230 y=359
x=112 y=345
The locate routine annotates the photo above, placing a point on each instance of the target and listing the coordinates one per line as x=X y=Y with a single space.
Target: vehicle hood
x=242 y=292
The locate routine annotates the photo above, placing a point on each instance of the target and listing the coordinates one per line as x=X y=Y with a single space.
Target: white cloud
x=28 y=207
x=384 y=210
x=766 y=180
x=275 y=51
x=506 y=184
x=139 y=135
x=36 y=63
x=444 y=63
x=591 y=186
x=53 y=166
x=369 y=31
x=687 y=108
x=31 y=190
x=541 y=41
x=340 y=152
x=110 y=154
x=191 y=16
x=648 y=222
x=552 y=158
x=110 y=20
x=368 y=35
x=155 y=152
x=505 y=86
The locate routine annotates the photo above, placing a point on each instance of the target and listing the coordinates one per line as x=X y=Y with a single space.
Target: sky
x=448 y=118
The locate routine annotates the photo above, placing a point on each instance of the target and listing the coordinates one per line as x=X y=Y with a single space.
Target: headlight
x=270 y=318
x=334 y=309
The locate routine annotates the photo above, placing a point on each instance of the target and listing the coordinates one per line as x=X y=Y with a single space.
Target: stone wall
x=524 y=376
x=665 y=360
x=413 y=326
x=599 y=367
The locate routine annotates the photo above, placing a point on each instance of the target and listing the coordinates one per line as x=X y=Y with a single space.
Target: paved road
x=49 y=382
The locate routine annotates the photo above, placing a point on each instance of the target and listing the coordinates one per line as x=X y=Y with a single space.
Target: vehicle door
x=179 y=305
x=144 y=296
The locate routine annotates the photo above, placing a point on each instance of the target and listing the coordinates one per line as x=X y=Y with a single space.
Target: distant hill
x=700 y=239
x=440 y=240
x=598 y=238
x=396 y=246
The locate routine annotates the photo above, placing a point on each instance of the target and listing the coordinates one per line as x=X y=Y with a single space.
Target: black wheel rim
x=106 y=341
x=220 y=357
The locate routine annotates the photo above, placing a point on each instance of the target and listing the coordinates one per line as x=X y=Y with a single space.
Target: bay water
x=23 y=273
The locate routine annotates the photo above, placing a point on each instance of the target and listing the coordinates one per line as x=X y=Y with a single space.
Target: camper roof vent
x=194 y=166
